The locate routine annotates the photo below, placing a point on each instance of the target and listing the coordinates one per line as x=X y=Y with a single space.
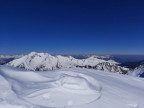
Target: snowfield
x=69 y=88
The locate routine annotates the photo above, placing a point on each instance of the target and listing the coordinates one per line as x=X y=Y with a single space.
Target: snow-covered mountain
x=106 y=66
x=44 y=61
x=69 y=88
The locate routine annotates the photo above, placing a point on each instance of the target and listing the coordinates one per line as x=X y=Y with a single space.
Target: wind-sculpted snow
x=44 y=61
x=69 y=88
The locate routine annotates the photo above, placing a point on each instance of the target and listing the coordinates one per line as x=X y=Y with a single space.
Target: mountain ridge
x=44 y=61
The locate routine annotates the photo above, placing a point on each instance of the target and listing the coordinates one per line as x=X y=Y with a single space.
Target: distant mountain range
x=44 y=61
x=132 y=65
x=118 y=58
x=7 y=58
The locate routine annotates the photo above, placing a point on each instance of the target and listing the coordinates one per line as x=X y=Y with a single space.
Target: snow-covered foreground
x=69 y=88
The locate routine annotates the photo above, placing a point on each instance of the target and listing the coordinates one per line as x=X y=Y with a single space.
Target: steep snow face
x=44 y=61
x=138 y=72
x=69 y=88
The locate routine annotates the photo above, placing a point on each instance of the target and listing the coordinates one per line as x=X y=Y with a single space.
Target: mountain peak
x=32 y=53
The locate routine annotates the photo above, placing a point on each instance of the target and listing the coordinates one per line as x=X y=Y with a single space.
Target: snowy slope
x=45 y=61
x=137 y=72
x=69 y=88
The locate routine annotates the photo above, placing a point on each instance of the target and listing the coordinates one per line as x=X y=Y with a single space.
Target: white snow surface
x=69 y=88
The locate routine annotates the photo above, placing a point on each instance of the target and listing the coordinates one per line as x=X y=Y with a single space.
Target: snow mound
x=67 y=88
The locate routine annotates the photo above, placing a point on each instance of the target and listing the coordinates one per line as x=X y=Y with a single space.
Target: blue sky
x=72 y=26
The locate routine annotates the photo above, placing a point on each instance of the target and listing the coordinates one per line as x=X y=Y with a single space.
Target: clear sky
x=72 y=26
